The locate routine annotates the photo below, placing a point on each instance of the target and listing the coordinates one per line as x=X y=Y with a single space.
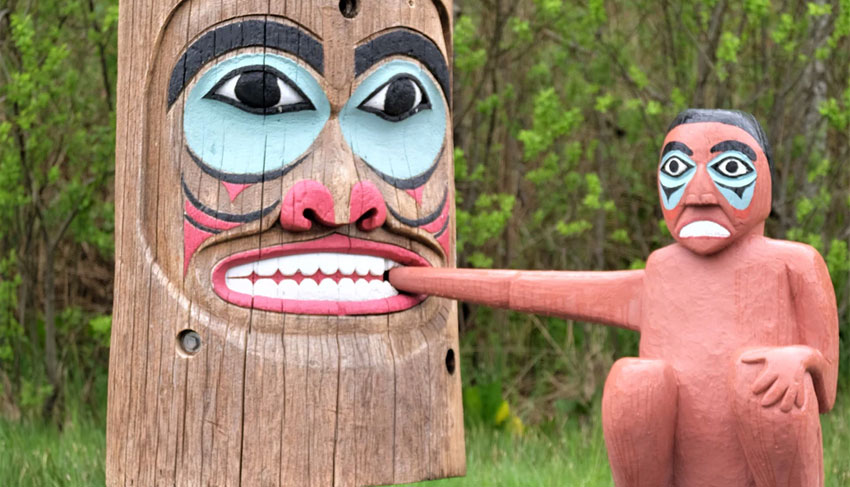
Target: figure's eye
x=675 y=167
x=397 y=99
x=732 y=167
x=260 y=89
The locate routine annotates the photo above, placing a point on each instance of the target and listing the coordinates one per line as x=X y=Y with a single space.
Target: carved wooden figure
x=274 y=160
x=739 y=332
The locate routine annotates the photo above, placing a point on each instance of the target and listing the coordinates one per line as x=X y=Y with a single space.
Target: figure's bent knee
x=639 y=409
x=635 y=374
x=640 y=384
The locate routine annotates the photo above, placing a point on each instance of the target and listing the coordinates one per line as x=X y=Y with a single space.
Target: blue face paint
x=674 y=173
x=396 y=121
x=735 y=175
x=244 y=145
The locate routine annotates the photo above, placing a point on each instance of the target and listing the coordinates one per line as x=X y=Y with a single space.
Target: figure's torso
x=699 y=313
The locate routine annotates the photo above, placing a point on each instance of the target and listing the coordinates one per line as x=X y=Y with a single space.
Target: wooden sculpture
x=274 y=160
x=739 y=332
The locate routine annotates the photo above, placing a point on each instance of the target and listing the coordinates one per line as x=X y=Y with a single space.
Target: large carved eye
x=260 y=89
x=732 y=167
x=675 y=167
x=397 y=99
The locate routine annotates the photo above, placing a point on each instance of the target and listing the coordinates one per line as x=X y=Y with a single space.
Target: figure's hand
x=782 y=378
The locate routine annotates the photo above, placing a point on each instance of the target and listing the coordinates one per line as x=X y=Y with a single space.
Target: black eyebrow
x=248 y=33
x=676 y=145
x=735 y=145
x=405 y=43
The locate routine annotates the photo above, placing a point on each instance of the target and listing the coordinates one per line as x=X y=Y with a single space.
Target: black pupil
x=258 y=89
x=674 y=166
x=732 y=167
x=401 y=97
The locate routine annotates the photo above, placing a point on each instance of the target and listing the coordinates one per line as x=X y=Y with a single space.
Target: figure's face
x=714 y=184
x=312 y=154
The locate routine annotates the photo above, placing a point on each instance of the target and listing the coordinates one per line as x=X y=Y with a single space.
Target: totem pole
x=738 y=332
x=275 y=159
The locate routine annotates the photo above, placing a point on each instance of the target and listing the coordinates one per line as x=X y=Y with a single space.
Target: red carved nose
x=306 y=202
x=368 y=209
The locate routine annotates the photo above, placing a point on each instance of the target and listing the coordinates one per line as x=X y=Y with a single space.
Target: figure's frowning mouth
x=704 y=228
x=334 y=275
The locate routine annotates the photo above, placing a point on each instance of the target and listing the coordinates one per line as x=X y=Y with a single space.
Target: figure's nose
x=701 y=190
x=332 y=194
x=309 y=202
x=368 y=209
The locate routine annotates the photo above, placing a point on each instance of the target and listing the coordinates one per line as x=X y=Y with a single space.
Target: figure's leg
x=639 y=420
x=782 y=449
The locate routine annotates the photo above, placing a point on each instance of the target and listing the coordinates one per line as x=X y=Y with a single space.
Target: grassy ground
x=33 y=455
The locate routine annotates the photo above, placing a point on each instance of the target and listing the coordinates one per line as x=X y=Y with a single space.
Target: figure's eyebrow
x=735 y=145
x=247 y=33
x=404 y=43
x=676 y=145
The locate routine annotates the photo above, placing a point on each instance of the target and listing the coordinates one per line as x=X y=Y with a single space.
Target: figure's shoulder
x=665 y=255
x=797 y=256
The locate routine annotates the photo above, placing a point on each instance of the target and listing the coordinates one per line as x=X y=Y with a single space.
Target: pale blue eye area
x=240 y=144
x=735 y=176
x=398 y=145
x=674 y=173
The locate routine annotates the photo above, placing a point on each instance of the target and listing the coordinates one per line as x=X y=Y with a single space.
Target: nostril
x=307 y=202
x=370 y=220
x=367 y=209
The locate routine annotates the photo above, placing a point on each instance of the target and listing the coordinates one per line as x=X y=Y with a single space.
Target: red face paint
x=703 y=206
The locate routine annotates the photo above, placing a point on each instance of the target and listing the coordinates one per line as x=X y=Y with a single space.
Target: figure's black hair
x=742 y=120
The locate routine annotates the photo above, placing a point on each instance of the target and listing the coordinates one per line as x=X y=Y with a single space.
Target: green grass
x=571 y=454
x=39 y=455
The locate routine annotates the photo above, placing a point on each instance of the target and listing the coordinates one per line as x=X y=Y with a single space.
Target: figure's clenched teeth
x=325 y=276
x=332 y=275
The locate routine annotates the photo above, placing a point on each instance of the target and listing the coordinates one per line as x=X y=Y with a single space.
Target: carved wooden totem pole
x=739 y=332
x=275 y=159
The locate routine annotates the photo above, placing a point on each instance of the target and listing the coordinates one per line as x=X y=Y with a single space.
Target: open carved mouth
x=334 y=275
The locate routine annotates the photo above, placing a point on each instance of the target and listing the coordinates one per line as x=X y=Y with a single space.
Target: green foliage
x=575 y=142
x=58 y=61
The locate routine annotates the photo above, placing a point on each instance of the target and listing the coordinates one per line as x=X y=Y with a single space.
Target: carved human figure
x=275 y=159
x=738 y=332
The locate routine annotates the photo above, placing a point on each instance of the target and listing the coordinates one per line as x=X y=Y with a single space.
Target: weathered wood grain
x=270 y=398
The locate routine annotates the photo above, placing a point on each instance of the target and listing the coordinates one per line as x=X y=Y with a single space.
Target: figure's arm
x=610 y=298
x=817 y=321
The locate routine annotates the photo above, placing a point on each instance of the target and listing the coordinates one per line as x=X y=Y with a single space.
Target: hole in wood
x=450 y=361
x=190 y=341
x=349 y=8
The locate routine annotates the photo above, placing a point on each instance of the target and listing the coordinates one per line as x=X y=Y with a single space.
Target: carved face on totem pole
x=714 y=179
x=309 y=166
x=286 y=155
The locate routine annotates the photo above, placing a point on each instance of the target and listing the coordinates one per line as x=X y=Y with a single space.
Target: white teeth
x=243 y=270
x=309 y=290
x=244 y=286
x=319 y=287
x=703 y=228
x=328 y=290
x=362 y=266
x=309 y=264
x=347 y=265
x=361 y=288
x=328 y=264
x=346 y=289
x=288 y=266
x=376 y=267
x=266 y=267
x=288 y=289
x=265 y=287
